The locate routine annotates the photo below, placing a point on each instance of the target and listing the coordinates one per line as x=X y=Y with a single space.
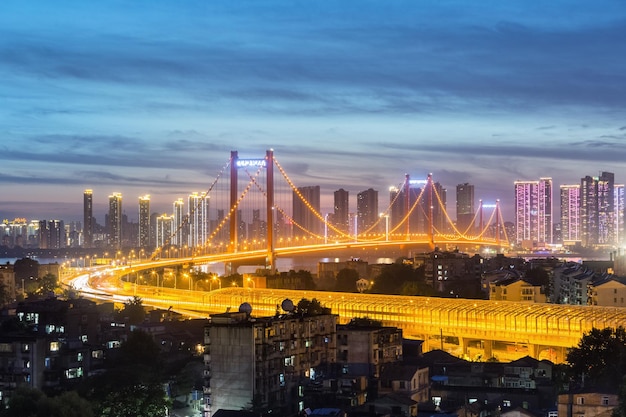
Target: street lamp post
x=212 y=281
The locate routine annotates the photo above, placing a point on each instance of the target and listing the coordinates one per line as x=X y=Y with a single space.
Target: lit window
x=54 y=346
x=281 y=380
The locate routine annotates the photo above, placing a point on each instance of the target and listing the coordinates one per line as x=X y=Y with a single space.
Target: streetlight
x=213 y=279
x=190 y=281
x=250 y=280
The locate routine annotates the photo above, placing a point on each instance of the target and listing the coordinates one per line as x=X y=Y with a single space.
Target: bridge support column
x=487 y=349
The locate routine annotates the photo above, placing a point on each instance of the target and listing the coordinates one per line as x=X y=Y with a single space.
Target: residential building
x=144 y=222
x=198 y=220
x=115 y=220
x=516 y=289
x=179 y=225
x=341 y=214
x=164 y=230
x=588 y=404
x=533 y=212
x=597 y=210
x=88 y=219
x=465 y=211
x=364 y=346
x=265 y=361
x=306 y=211
x=367 y=211
x=570 y=214
x=608 y=291
x=52 y=234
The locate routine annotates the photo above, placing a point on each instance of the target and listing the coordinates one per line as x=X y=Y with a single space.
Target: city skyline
x=150 y=98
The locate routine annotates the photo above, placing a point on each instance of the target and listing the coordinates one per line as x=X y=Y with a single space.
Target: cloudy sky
x=150 y=97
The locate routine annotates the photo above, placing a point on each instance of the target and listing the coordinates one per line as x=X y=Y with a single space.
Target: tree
x=600 y=358
x=30 y=402
x=133 y=310
x=133 y=382
x=47 y=284
x=346 y=280
x=311 y=307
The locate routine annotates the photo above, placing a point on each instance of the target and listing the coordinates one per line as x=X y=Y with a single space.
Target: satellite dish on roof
x=287 y=305
x=245 y=308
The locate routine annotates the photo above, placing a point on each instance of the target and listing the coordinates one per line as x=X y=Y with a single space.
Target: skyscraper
x=533 y=211
x=619 y=215
x=465 y=210
x=198 y=219
x=144 y=221
x=367 y=210
x=164 y=224
x=88 y=219
x=178 y=230
x=304 y=212
x=115 y=220
x=570 y=214
x=341 y=217
x=597 y=209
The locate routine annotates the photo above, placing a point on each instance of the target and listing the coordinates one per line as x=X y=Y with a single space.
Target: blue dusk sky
x=150 y=97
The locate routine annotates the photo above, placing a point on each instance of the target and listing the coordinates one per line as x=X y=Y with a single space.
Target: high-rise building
x=544 y=210
x=88 y=220
x=533 y=211
x=597 y=209
x=52 y=234
x=620 y=239
x=465 y=211
x=178 y=236
x=305 y=213
x=164 y=225
x=115 y=220
x=241 y=370
x=144 y=221
x=198 y=219
x=341 y=215
x=367 y=210
x=570 y=214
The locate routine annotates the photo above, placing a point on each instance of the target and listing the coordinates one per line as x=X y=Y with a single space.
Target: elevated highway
x=473 y=329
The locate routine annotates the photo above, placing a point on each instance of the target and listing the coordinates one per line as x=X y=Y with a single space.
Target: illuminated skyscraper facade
x=198 y=219
x=144 y=221
x=341 y=215
x=570 y=214
x=620 y=239
x=597 y=210
x=367 y=210
x=465 y=211
x=533 y=211
x=88 y=220
x=304 y=212
x=115 y=220
x=178 y=230
x=164 y=225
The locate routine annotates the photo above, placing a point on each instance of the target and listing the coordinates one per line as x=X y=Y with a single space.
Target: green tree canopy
x=133 y=382
x=30 y=402
x=346 y=280
x=600 y=358
x=133 y=310
x=311 y=307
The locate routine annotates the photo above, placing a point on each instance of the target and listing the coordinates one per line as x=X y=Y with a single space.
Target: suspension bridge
x=270 y=213
x=286 y=220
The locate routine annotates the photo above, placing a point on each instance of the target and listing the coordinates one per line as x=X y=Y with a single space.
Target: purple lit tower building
x=597 y=209
x=533 y=212
x=570 y=214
